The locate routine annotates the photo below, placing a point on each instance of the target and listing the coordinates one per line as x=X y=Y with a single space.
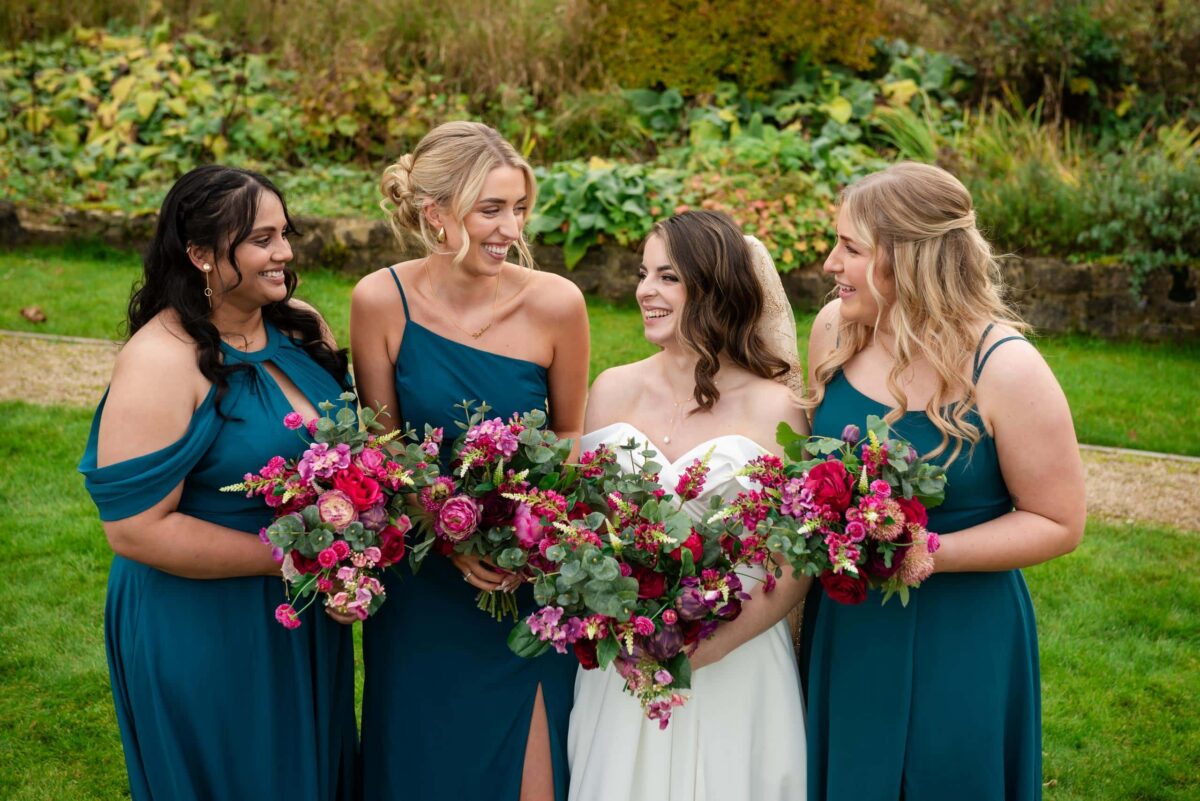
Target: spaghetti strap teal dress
x=214 y=698
x=939 y=700
x=446 y=704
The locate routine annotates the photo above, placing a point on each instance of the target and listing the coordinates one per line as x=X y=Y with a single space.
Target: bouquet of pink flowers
x=855 y=517
x=638 y=584
x=507 y=477
x=339 y=507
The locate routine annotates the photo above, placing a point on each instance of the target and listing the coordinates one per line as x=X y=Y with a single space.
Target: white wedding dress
x=739 y=737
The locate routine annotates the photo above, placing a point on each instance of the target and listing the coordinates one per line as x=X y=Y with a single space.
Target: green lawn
x=1120 y=642
x=1125 y=394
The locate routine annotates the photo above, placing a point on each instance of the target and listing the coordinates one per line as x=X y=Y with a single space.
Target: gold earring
x=207 y=268
x=441 y=235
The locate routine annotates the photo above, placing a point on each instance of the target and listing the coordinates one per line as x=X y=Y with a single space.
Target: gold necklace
x=450 y=314
x=676 y=417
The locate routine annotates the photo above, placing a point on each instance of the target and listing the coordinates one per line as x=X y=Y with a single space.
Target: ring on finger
x=467 y=576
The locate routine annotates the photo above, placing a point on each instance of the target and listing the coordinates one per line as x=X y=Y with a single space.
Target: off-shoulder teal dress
x=214 y=699
x=446 y=704
x=939 y=700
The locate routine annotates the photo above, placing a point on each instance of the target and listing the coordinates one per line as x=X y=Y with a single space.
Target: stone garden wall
x=1055 y=296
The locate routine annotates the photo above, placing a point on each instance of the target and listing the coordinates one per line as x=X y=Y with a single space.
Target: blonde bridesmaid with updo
x=449 y=712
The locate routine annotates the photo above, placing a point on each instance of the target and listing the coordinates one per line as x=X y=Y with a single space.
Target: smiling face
x=660 y=294
x=261 y=258
x=493 y=224
x=850 y=265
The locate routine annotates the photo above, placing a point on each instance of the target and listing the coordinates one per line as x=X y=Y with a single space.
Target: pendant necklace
x=445 y=308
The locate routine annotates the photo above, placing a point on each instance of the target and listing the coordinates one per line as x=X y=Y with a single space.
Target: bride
x=711 y=299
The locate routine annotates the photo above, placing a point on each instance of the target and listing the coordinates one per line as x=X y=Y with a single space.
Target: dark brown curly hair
x=724 y=299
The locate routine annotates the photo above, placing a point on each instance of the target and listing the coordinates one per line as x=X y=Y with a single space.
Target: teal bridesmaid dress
x=939 y=700
x=214 y=699
x=446 y=704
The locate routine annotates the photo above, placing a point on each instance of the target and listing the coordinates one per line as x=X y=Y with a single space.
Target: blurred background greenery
x=1075 y=122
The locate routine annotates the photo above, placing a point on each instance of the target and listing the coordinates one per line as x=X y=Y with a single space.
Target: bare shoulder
x=326 y=333
x=157 y=368
x=552 y=297
x=613 y=393
x=1013 y=372
x=766 y=403
x=377 y=291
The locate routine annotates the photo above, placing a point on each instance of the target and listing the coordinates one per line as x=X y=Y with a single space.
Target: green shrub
x=581 y=204
x=691 y=45
x=1146 y=204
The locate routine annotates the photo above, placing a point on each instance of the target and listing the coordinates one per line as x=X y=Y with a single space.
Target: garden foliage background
x=1075 y=123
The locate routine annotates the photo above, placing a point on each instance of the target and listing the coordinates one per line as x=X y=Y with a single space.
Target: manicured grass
x=1125 y=394
x=1120 y=641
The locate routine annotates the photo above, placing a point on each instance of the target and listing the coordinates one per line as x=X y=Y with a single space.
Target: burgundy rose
x=497 y=510
x=650 y=584
x=391 y=545
x=691 y=632
x=362 y=490
x=878 y=568
x=585 y=652
x=579 y=511
x=914 y=511
x=830 y=484
x=844 y=588
x=303 y=564
x=694 y=544
x=458 y=518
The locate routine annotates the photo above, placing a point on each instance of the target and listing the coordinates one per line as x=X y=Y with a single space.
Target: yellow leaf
x=106 y=114
x=207 y=22
x=36 y=119
x=219 y=146
x=146 y=101
x=839 y=109
x=597 y=163
x=727 y=115
x=85 y=84
x=788 y=257
x=899 y=93
x=177 y=106
x=120 y=88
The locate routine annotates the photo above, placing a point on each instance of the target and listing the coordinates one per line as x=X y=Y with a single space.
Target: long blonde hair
x=448 y=168
x=919 y=225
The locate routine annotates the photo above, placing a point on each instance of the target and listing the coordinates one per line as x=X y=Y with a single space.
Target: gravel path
x=1121 y=486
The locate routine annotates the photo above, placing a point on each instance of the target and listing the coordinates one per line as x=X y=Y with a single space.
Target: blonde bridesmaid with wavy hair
x=449 y=712
x=944 y=693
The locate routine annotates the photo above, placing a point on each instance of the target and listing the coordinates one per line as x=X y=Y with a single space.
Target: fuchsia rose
x=458 y=518
x=337 y=509
x=341 y=549
x=293 y=420
x=327 y=558
x=694 y=544
x=830 y=484
x=362 y=491
x=844 y=588
x=914 y=511
x=287 y=617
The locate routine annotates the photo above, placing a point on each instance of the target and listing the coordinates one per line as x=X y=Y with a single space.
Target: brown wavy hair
x=724 y=299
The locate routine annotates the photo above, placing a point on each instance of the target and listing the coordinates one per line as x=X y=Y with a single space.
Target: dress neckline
x=262 y=354
x=882 y=405
x=436 y=335
x=690 y=452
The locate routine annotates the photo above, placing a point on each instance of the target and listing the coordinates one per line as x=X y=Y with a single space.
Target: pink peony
x=458 y=518
x=528 y=528
x=293 y=421
x=371 y=461
x=643 y=626
x=336 y=509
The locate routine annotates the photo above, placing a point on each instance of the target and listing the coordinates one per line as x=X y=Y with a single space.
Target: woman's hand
x=483 y=574
x=345 y=618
